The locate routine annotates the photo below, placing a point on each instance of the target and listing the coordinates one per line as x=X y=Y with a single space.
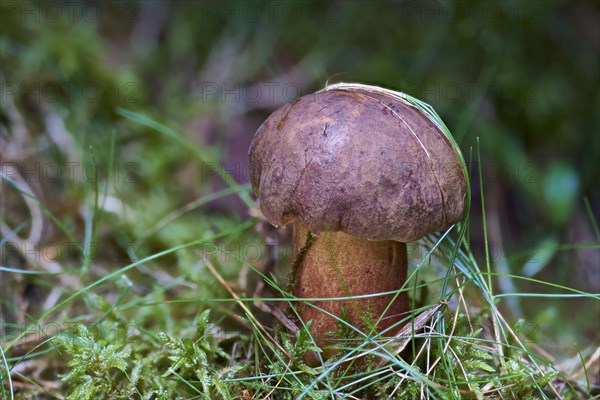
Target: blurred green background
x=520 y=79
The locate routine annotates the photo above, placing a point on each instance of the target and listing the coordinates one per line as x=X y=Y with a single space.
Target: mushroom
x=360 y=170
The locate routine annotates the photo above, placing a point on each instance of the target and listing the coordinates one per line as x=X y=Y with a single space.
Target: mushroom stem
x=339 y=265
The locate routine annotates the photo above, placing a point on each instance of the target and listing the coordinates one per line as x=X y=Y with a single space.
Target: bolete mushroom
x=364 y=170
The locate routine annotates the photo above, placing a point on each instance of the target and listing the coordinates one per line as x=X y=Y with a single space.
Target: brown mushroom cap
x=357 y=159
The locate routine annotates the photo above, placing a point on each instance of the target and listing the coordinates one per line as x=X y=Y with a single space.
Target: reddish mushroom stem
x=339 y=265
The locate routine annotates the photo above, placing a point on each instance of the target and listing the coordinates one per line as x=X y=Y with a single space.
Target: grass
x=198 y=330
x=160 y=279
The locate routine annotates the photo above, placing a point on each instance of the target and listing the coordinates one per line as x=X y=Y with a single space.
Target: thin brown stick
x=588 y=365
x=222 y=281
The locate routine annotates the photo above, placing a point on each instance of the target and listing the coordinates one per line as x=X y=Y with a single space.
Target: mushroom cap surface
x=358 y=159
